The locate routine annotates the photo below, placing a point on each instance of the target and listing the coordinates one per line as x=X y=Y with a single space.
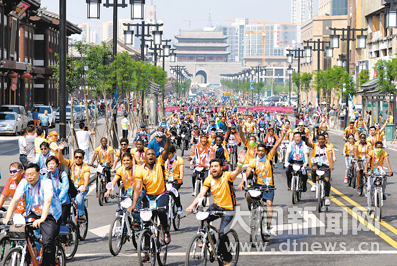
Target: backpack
x=72 y=189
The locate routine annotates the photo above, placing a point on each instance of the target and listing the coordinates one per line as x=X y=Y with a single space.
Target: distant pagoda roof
x=207 y=35
x=179 y=53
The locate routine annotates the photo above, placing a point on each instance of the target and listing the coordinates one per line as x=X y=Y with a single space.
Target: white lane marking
x=101 y=231
x=264 y=253
x=310 y=221
x=92 y=188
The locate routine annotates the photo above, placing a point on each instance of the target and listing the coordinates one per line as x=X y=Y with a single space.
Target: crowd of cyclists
x=224 y=145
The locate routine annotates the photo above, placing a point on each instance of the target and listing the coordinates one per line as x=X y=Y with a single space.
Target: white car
x=10 y=123
x=20 y=110
x=68 y=114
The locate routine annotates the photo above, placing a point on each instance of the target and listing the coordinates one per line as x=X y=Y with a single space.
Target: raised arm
x=240 y=131
x=60 y=155
x=167 y=147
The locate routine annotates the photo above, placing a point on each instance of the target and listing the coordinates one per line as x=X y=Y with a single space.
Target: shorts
x=266 y=195
x=359 y=165
x=327 y=172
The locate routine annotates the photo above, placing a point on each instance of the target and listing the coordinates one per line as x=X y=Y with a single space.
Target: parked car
x=84 y=114
x=68 y=116
x=79 y=112
x=20 y=110
x=10 y=123
x=51 y=112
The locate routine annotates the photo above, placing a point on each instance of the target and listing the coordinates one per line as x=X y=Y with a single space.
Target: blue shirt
x=35 y=115
x=157 y=147
x=44 y=120
x=61 y=186
x=222 y=126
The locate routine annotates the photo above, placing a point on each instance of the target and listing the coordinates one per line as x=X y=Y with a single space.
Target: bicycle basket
x=63 y=230
x=17 y=231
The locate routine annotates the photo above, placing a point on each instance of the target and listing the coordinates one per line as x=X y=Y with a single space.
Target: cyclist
x=124 y=148
x=221 y=185
x=143 y=133
x=361 y=152
x=184 y=128
x=373 y=137
x=42 y=157
x=195 y=135
x=219 y=151
x=261 y=123
x=211 y=137
x=174 y=167
x=41 y=205
x=222 y=124
x=151 y=177
x=138 y=153
x=348 y=152
x=330 y=146
x=164 y=123
x=351 y=129
x=297 y=153
x=269 y=141
x=250 y=145
x=201 y=154
x=249 y=126
x=380 y=131
x=211 y=126
x=203 y=125
x=16 y=175
x=60 y=183
x=105 y=157
x=321 y=158
x=52 y=141
x=262 y=166
x=301 y=129
x=80 y=175
x=158 y=143
x=315 y=133
x=233 y=140
x=374 y=162
x=360 y=124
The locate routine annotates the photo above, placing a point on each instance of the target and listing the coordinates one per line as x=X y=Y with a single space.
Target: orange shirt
x=202 y=155
x=9 y=189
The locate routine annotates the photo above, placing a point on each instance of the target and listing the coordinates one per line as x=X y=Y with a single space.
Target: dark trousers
x=289 y=175
x=45 y=130
x=23 y=158
x=49 y=231
x=65 y=213
x=177 y=199
x=194 y=175
x=125 y=133
x=162 y=201
x=223 y=239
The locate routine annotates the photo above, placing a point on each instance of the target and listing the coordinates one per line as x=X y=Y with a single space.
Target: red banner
x=271 y=109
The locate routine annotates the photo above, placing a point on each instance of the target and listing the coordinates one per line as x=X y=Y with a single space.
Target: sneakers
x=193 y=194
x=275 y=166
x=289 y=189
x=267 y=232
x=146 y=258
x=136 y=226
x=82 y=218
x=384 y=197
x=167 y=237
x=327 y=202
x=314 y=187
x=179 y=211
x=346 y=180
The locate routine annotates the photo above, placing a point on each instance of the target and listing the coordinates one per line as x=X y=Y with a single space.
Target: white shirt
x=22 y=145
x=295 y=152
x=83 y=139
x=48 y=192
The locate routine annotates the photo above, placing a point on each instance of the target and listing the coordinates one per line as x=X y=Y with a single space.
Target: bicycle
x=261 y=134
x=101 y=184
x=258 y=213
x=70 y=240
x=362 y=189
x=81 y=226
x=377 y=192
x=320 y=192
x=27 y=253
x=351 y=173
x=233 y=156
x=283 y=151
x=172 y=214
x=296 y=183
x=5 y=238
x=151 y=240
x=121 y=229
x=200 y=177
x=204 y=243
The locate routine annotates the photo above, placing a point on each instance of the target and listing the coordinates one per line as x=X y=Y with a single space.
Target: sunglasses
x=78 y=157
x=43 y=149
x=13 y=172
x=123 y=144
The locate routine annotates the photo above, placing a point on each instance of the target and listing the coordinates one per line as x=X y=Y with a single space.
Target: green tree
x=363 y=76
x=306 y=80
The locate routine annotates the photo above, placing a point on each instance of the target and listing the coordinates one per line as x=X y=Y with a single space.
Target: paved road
x=344 y=235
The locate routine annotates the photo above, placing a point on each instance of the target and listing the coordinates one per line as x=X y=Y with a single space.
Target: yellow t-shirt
x=175 y=168
x=77 y=172
x=288 y=134
x=378 y=159
x=349 y=148
x=119 y=154
x=122 y=172
x=104 y=155
x=153 y=180
x=371 y=140
x=251 y=152
x=362 y=150
x=138 y=157
x=380 y=135
x=348 y=131
x=222 y=189
x=323 y=126
x=263 y=168
x=330 y=146
x=249 y=126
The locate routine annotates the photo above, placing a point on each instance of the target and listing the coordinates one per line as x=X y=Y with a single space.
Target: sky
x=176 y=13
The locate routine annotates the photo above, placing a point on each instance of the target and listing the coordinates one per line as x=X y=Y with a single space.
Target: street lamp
x=173 y=56
x=128 y=37
x=334 y=41
x=361 y=41
x=391 y=16
x=93 y=9
x=308 y=51
x=329 y=52
x=137 y=9
x=290 y=71
x=290 y=57
x=166 y=49
x=157 y=37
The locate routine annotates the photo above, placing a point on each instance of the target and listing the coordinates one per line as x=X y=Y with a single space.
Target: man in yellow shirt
x=262 y=166
x=361 y=151
x=105 y=155
x=221 y=185
x=249 y=126
x=351 y=129
x=374 y=162
x=80 y=175
x=151 y=176
x=174 y=170
x=249 y=144
x=138 y=153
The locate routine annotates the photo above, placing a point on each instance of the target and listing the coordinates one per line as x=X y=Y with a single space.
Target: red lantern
x=13 y=75
x=26 y=76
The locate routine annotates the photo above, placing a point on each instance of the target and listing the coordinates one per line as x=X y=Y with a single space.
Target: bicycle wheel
x=183 y=148
x=354 y=178
x=319 y=199
x=197 y=187
x=263 y=225
x=176 y=222
x=60 y=258
x=14 y=258
x=365 y=186
x=299 y=185
x=71 y=241
x=196 y=253
x=293 y=189
x=116 y=236
x=83 y=227
x=5 y=246
x=349 y=177
x=134 y=238
x=100 y=192
x=146 y=250
x=233 y=246
x=378 y=205
x=254 y=224
x=161 y=248
x=104 y=191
